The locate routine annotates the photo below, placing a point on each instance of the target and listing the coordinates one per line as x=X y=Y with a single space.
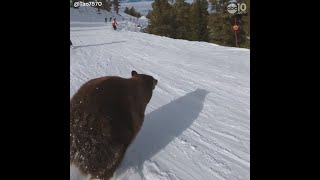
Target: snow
x=197 y=124
x=89 y=17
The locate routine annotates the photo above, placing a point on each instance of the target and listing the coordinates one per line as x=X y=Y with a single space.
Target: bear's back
x=105 y=116
x=100 y=125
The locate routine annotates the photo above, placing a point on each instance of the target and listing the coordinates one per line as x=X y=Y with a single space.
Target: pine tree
x=219 y=6
x=161 y=19
x=242 y=38
x=107 y=5
x=127 y=10
x=149 y=14
x=138 y=15
x=116 y=5
x=132 y=11
x=199 y=20
x=246 y=24
x=182 y=24
x=220 y=29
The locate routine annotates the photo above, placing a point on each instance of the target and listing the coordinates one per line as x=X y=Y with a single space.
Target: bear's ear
x=155 y=82
x=133 y=73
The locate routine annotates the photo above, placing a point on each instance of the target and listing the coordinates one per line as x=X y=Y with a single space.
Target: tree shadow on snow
x=161 y=126
x=98 y=44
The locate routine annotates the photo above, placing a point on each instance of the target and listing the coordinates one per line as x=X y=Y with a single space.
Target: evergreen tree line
x=132 y=12
x=181 y=20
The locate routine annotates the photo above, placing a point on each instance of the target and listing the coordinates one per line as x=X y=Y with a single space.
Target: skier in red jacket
x=114 y=24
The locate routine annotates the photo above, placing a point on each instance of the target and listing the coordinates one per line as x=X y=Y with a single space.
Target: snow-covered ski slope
x=197 y=124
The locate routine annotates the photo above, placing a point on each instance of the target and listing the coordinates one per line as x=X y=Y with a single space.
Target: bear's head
x=148 y=82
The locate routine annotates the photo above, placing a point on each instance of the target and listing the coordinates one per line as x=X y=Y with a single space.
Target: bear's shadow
x=161 y=126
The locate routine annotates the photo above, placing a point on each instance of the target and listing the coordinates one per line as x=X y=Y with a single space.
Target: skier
x=114 y=24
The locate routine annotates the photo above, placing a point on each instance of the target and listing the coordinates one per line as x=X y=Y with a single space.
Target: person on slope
x=114 y=24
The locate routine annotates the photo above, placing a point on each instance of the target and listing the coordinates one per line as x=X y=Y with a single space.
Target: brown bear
x=105 y=116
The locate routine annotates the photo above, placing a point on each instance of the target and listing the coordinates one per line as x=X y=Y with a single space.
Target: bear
x=106 y=114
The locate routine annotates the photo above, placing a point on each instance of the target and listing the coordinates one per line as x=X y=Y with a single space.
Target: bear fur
x=106 y=114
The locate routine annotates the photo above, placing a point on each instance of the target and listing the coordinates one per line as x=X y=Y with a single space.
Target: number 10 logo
x=239 y=8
